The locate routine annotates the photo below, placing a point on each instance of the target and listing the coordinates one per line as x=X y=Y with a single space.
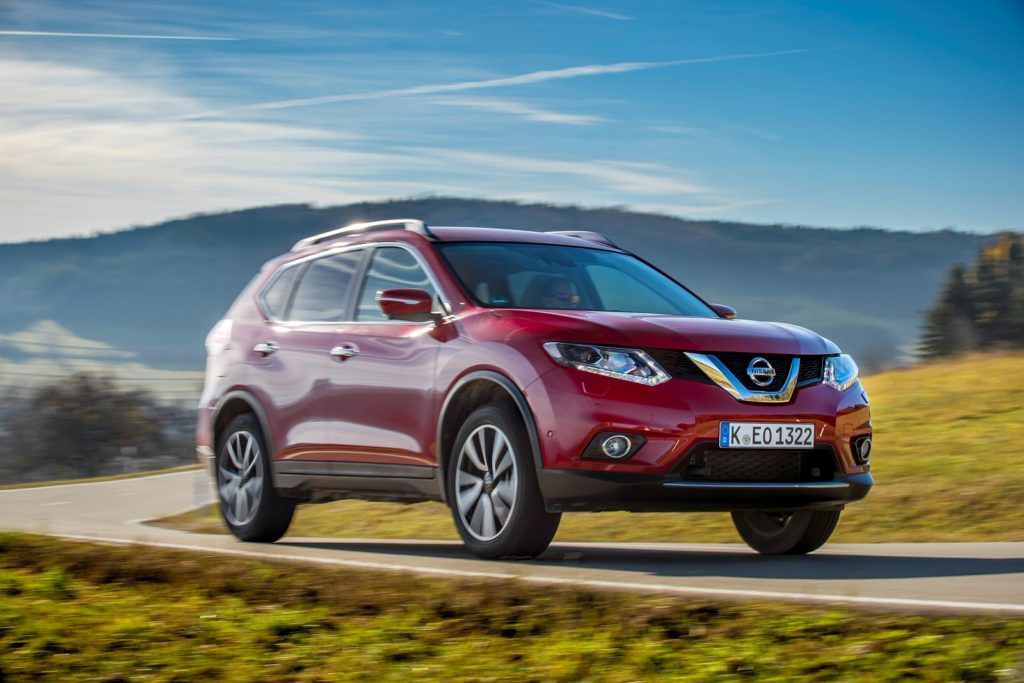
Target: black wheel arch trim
x=261 y=417
x=517 y=397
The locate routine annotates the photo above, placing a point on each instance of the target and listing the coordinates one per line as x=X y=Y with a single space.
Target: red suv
x=516 y=375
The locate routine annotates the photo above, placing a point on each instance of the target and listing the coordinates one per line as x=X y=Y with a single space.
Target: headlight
x=632 y=365
x=840 y=372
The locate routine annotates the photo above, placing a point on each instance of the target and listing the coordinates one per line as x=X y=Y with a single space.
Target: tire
x=251 y=508
x=492 y=487
x=793 y=533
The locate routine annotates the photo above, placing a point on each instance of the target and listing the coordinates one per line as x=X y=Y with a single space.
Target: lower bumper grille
x=715 y=464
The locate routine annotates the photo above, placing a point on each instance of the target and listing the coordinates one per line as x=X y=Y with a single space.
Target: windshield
x=546 y=276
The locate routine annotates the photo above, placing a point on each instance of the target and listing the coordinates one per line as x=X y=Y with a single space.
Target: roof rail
x=587 y=235
x=410 y=224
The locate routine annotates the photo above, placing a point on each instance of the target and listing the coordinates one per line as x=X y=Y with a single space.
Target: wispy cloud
x=720 y=134
x=530 y=78
x=87 y=149
x=700 y=209
x=526 y=111
x=640 y=179
x=124 y=36
x=592 y=11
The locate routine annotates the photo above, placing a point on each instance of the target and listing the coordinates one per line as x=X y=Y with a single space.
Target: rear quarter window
x=276 y=296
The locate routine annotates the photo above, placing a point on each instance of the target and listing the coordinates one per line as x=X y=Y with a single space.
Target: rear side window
x=323 y=291
x=277 y=295
x=390 y=267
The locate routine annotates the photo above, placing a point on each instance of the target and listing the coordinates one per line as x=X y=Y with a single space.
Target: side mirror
x=727 y=312
x=411 y=305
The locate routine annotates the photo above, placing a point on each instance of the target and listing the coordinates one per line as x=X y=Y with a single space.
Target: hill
x=155 y=291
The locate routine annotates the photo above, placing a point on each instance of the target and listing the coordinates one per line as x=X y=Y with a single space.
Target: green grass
x=93 y=480
x=948 y=462
x=75 y=611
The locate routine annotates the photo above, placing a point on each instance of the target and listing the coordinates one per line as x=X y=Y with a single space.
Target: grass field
x=948 y=462
x=72 y=611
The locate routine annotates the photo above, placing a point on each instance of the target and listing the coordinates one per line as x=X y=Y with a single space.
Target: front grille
x=751 y=465
x=677 y=364
x=810 y=369
x=738 y=363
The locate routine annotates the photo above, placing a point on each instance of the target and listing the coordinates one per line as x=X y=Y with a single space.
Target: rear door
x=296 y=354
x=384 y=389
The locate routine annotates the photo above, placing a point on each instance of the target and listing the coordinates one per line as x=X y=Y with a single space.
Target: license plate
x=766 y=435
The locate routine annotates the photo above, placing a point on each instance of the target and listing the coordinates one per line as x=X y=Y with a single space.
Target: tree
x=981 y=307
x=77 y=427
x=949 y=327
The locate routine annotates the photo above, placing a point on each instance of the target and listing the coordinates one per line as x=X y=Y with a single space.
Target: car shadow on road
x=702 y=563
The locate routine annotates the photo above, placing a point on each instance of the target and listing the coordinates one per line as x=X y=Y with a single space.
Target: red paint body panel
x=383 y=400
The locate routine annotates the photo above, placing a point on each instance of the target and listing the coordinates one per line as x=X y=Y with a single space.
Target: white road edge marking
x=62 y=502
x=590 y=583
x=53 y=487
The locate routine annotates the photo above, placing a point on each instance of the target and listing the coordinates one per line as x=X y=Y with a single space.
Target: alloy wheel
x=486 y=482
x=240 y=478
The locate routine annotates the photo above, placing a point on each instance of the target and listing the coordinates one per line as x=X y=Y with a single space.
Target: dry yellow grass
x=948 y=464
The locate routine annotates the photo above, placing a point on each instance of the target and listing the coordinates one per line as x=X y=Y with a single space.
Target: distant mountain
x=155 y=291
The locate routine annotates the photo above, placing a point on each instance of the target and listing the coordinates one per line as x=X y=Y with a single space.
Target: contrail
x=125 y=36
x=521 y=79
x=593 y=11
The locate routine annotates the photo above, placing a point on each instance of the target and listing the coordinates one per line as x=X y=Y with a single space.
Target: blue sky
x=893 y=114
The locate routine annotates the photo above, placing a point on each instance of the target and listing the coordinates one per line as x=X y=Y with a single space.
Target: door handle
x=265 y=348
x=344 y=351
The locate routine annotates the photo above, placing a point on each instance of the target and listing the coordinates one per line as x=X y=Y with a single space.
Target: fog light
x=862 y=450
x=616 y=446
x=613 y=446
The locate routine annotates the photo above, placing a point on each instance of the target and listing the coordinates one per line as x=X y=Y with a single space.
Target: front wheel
x=492 y=487
x=786 y=533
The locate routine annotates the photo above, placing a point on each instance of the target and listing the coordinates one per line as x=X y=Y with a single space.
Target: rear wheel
x=492 y=487
x=786 y=533
x=249 y=504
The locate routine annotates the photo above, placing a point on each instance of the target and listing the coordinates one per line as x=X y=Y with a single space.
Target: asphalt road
x=940 y=577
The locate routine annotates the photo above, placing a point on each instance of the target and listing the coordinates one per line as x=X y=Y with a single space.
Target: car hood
x=673 y=332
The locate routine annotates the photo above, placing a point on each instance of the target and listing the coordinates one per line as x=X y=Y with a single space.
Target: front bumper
x=569 y=491
x=570 y=408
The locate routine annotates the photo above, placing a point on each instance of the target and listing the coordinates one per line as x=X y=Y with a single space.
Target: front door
x=383 y=372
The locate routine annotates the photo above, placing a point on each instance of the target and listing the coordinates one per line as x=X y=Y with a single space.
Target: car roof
x=443 y=234
x=473 y=234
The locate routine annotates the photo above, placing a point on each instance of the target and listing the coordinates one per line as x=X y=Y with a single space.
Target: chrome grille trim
x=723 y=377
